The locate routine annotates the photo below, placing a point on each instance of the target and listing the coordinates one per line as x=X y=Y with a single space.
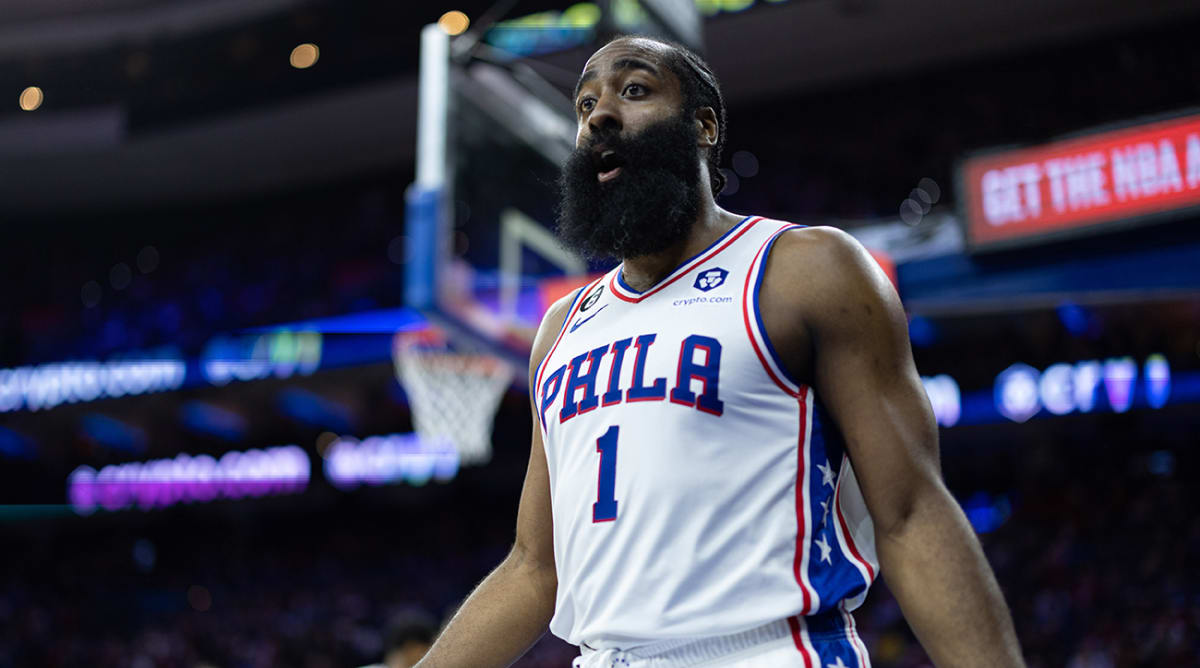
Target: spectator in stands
x=408 y=637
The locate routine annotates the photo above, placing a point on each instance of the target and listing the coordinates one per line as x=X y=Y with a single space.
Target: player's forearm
x=936 y=568
x=505 y=614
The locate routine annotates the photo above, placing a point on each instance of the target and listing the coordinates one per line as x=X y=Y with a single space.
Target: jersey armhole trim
x=541 y=368
x=774 y=366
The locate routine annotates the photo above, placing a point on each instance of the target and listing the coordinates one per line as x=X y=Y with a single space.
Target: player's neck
x=644 y=271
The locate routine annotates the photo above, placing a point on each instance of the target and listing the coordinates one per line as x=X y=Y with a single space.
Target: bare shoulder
x=552 y=323
x=818 y=253
x=824 y=270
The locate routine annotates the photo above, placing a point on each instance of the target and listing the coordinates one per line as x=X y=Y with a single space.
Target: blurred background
x=254 y=284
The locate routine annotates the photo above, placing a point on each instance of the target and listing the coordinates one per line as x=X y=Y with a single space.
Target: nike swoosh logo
x=579 y=323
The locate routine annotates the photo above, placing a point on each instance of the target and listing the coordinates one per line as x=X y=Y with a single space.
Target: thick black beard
x=649 y=207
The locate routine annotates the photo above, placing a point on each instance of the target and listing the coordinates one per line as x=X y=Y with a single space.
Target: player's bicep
x=535 y=536
x=865 y=375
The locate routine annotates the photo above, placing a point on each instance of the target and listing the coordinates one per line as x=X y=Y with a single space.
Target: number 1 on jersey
x=605 y=507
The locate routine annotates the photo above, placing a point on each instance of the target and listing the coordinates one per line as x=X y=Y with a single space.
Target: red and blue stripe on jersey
x=827 y=576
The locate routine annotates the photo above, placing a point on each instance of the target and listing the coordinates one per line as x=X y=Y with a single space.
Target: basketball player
x=731 y=438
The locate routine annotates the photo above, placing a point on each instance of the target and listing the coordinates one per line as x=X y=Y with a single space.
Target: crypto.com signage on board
x=1075 y=185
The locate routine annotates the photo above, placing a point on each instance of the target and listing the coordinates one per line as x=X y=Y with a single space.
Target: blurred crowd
x=1094 y=559
x=328 y=589
x=119 y=284
x=855 y=151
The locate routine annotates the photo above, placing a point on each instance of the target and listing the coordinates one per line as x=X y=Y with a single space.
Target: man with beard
x=689 y=499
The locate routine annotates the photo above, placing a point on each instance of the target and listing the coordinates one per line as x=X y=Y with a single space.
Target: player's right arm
x=513 y=605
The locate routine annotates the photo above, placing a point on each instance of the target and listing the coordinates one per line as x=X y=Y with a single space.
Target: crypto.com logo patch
x=710 y=279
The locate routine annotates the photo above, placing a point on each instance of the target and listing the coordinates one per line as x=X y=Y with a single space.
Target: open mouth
x=608 y=165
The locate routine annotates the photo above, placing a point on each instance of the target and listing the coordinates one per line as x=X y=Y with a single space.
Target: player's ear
x=707 y=126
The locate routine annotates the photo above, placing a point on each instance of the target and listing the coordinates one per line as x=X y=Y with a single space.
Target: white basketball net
x=453 y=396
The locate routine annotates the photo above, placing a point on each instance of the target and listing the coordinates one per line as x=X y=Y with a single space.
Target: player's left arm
x=863 y=370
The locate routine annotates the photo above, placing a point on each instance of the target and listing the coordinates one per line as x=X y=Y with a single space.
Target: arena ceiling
x=123 y=152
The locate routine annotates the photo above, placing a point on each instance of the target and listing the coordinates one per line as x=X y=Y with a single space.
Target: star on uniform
x=824 y=511
x=826 y=473
x=839 y=664
x=824 y=545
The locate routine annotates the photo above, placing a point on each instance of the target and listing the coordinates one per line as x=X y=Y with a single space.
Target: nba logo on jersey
x=710 y=279
x=592 y=299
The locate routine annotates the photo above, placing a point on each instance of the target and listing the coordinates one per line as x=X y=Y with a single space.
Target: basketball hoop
x=454 y=396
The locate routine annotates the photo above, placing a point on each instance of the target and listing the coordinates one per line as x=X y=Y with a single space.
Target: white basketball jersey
x=697 y=489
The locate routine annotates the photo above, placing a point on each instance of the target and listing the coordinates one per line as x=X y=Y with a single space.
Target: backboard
x=482 y=259
x=483 y=262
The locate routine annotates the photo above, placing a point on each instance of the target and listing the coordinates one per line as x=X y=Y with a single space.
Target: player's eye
x=635 y=89
x=586 y=104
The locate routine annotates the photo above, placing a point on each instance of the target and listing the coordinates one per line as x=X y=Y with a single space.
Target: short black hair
x=700 y=89
x=409 y=626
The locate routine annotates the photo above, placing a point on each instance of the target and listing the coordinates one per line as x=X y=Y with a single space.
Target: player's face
x=632 y=185
x=624 y=89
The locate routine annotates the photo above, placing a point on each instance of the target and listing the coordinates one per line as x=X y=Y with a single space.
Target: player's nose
x=605 y=116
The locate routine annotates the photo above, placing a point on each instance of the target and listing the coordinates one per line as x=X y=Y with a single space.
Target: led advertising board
x=1082 y=184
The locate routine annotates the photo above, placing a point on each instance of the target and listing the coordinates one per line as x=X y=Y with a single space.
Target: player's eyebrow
x=617 y=65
